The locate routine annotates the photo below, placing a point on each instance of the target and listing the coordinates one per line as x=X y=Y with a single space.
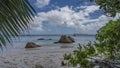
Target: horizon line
x=56 y=34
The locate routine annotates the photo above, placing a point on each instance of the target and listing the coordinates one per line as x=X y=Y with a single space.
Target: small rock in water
x=56 y=42
x=31 y=45
x=41 y=39
x=49 y=39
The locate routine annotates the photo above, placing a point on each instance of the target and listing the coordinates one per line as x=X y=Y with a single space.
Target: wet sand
x=35 y=58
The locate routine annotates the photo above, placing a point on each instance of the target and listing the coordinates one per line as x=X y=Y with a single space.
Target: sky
x=66 y=17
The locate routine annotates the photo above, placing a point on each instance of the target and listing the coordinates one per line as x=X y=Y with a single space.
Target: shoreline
x=35 y=58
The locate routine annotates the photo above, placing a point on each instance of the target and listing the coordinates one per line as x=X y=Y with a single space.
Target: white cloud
x=42 y=3
x=80 y=21
x=37 y=24
x=90 y=9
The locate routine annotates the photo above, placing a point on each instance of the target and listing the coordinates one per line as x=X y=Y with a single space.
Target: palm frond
x=15 y=16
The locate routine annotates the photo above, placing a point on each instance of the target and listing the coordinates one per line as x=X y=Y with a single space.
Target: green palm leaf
x=15 y=16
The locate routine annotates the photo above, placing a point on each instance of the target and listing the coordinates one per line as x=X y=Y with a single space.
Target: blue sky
x=66 y=17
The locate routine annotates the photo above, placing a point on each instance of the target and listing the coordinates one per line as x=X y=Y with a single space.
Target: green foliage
x=109 y=37
x=108 y=40
x=14 y=17
x=107 y=45
x=110 y=32
x=111 y=7
x=81 y=55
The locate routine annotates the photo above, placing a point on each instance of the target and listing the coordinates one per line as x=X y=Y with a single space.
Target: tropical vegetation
x=105 y=52
x=15 y=16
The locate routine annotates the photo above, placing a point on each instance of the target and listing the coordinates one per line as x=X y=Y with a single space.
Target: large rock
x=72 y=39
x=66 y=39
x=31 y=45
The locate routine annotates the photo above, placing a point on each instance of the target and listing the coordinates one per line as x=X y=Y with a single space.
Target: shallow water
x=19 y=43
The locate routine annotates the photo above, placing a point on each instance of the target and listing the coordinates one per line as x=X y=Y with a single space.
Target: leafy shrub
x=108 y=46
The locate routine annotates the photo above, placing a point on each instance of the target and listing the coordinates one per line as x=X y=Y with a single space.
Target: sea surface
x=18 y=44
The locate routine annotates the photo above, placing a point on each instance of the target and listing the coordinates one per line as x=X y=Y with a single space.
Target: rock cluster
x=66 y=39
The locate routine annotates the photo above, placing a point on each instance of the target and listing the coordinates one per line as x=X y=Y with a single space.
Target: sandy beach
x=35 y=58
